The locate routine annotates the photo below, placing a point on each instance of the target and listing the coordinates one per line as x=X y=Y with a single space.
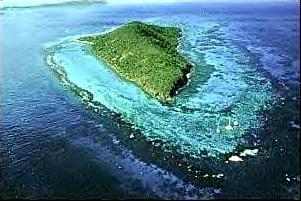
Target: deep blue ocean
x=72 y=128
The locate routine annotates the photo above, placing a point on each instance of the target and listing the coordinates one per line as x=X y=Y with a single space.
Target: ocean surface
x=72 y=128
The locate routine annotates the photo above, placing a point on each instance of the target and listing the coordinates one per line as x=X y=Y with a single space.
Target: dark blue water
x=54 y=145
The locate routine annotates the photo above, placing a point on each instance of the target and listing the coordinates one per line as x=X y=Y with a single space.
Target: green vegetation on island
x=146 y=55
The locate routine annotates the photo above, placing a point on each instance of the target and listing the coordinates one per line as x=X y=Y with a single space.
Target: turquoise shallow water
x=54 y=146
x=209 y=116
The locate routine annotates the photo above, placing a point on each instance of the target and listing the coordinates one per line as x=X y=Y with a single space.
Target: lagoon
x=59 y=142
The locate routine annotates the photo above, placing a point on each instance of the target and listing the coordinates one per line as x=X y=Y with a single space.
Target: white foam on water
x=130 y=170
x=234 y=86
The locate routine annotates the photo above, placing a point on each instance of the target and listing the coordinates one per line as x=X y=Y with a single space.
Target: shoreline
x=207 y=170
x=183 y=81
x=169 y=85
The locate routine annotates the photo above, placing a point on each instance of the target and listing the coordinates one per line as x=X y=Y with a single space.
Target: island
x=146 y=55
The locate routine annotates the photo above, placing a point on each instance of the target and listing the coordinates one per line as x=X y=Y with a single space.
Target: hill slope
x=146 y=55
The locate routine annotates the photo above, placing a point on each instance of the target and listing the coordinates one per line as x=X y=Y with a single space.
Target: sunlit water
x=54 y=145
